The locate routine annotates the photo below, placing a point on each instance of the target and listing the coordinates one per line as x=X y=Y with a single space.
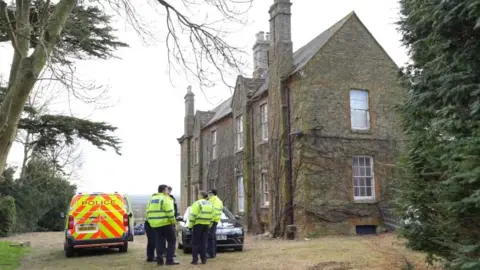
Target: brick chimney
x=189 y=111
x=260 y=54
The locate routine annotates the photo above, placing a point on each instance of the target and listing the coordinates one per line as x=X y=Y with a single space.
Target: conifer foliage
x=440 y=194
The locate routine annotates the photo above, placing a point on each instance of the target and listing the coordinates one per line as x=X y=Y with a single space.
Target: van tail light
x=70 y=222
x=125 y=220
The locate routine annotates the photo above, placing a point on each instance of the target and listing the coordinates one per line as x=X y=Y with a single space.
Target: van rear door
x=98 y=216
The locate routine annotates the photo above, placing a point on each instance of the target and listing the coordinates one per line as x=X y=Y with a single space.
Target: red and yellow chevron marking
x=108 y=210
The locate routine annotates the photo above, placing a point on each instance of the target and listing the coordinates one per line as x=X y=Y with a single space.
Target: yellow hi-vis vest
x=160 y=211
x=217 y=208
x=201 y=213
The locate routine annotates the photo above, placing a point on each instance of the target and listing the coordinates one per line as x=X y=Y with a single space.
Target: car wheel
x=69 y=252
x=124 y=248
x=239 y=248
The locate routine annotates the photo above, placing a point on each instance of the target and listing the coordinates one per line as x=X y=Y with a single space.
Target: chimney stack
x=260 y=54
x=281 y=47
x=189 y=111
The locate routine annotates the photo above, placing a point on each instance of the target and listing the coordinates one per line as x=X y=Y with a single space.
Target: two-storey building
x=313 y=131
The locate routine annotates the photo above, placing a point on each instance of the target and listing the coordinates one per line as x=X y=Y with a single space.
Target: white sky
x=149 y=111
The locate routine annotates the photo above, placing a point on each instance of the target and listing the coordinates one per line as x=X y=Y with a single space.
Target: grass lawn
x=385 y=252
x=10 y=256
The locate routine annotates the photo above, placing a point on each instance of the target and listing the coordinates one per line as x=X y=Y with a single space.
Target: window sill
x=263 y=142
x=365 y=201
x=361 y=131
x=265 y=206
x=238 y=151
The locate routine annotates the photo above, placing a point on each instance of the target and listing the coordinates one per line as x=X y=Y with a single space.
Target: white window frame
x=357 y=107
x=265 y=189
x=214 y=145
x=196 y=151
x=360 y=174
x=240 y=194
x=239 y=132
x=264 y=121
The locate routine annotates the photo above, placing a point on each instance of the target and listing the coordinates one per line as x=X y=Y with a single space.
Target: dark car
x=230 y=232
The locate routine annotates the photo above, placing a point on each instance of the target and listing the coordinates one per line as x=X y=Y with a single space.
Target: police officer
x=200 y=219
x=175 y=208
x=212 y=232
x=170 y=196
x=150 y=238
x=161 y=217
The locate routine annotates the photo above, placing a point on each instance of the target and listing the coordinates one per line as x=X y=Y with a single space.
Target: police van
x=96 y=220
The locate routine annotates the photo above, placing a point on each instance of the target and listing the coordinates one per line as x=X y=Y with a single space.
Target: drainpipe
x=290 y=161
x=252 y=162
x=189 y=166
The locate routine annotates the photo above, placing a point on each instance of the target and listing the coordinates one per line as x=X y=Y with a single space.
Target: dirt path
x=332 y=253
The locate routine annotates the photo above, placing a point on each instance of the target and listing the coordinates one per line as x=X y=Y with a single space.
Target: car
x=96 y=220
x=230 y=232
x=139 y=229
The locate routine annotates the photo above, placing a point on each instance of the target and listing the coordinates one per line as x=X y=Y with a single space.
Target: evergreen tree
x=440 y=194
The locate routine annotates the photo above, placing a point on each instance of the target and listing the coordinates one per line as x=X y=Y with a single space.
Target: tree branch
x=4 y=18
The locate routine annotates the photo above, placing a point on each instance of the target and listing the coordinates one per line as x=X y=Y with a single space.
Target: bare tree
x=31 y=57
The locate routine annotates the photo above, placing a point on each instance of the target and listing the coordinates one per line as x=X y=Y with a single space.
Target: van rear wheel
x=124 y=248
x=69 y=252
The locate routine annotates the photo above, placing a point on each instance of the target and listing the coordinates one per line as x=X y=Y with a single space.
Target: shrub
x=7 y=214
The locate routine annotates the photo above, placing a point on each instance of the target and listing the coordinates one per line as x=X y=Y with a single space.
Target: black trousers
x=165 y=233
x=165 y=243
x=199 y=243
x=212 y=241
x=150 y=241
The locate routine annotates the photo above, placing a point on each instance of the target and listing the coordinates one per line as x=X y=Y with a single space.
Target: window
x=363 y=182
x=239 y=129
x=196 y=151
x=240 y=194
x=214 y=144
x=359 y=112
x=264 y=121
x=265 y=195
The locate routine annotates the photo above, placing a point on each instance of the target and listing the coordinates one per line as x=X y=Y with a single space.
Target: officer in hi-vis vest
x=161 y=217
x=212 y=232
x=200 y=219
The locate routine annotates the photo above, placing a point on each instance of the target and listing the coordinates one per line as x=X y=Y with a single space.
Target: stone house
x=308 y=140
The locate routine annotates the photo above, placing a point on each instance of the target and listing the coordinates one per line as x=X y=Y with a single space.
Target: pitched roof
x=221 y=111
x=307 y=52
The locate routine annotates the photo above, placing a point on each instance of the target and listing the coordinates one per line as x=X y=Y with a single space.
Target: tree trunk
x=25 y=69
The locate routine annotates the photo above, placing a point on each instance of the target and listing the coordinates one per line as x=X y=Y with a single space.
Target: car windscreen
x=226 y=214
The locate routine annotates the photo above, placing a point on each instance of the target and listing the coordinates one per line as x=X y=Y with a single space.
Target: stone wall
x=260 y=166
x=219 y=172
x=352 y=59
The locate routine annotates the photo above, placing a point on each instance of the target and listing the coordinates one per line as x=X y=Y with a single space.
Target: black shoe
x=210 y=257
x=194 y=263
x=173 y=263
x=204 y=262
x=160 y=262
x=150 y=260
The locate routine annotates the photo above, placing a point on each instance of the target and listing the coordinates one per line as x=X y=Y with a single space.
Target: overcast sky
x=149 y=111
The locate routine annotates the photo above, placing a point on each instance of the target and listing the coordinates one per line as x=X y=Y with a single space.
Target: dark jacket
x=175 y=208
